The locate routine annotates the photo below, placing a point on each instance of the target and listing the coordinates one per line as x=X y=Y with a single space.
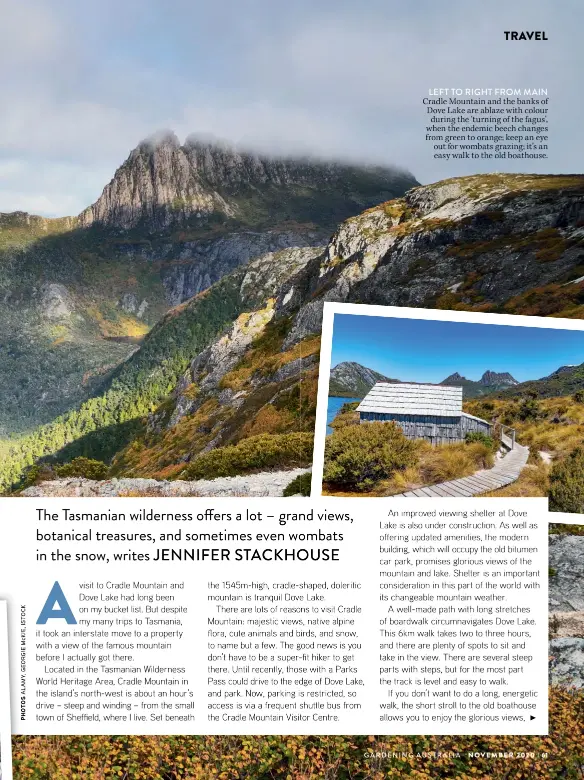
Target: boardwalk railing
x=506 y=435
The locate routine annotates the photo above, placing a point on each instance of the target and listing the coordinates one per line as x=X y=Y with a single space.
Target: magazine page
x=292 y=389
x=5 y=728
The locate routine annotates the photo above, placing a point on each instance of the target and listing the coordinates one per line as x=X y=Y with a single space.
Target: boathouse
x=431 y=412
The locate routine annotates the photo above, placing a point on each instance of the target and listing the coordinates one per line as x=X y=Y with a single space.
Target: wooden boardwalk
x=504 y=473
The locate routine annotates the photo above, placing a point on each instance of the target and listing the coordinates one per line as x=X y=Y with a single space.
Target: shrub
x=572 y=529
x=299 y=486
x=578 y=397
x=83 y=467
x=347 y=415
x=349 y=406
x=481 y=438
x=286 y=450
x=567 y=483
x=38 y=472
x=531 y=483
x=360 y=455
x=342 y=420
x=529 y=409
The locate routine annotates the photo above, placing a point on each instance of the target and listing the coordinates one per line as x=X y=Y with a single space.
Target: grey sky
x=82 y=83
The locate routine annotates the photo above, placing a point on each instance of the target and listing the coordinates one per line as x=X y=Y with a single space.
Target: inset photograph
x=450 y=404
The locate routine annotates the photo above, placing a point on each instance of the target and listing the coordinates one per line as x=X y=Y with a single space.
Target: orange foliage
x=559 y=755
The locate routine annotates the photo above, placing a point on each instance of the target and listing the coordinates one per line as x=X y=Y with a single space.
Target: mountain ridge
x=489 y=382
x=352 y=380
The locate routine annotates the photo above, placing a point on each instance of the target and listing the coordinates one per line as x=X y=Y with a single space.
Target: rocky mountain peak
x=158 y=140
x=163 y=183
x=353 y=379
x=456 y=377
x=497 y=378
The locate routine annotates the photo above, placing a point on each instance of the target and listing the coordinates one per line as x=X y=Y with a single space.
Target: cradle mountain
x=79 y=293
x=488 y=383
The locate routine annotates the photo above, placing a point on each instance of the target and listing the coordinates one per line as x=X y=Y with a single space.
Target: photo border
x=5 y=723
x=404 y=312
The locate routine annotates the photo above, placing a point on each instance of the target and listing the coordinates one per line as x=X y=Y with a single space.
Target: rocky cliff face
x=566 y=588
x=497 y=379
x=202 y=263
x=477 y=243
x=164 y=183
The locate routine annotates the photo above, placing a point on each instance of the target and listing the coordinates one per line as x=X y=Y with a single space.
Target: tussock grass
x=452 y=461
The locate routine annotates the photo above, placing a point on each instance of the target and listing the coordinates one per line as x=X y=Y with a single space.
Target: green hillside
x=567 y=382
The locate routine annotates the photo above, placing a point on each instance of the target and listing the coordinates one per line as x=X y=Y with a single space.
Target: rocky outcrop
x=164 y=183
x=56 y=302
x=130 y=304
x=267 y=483
x=563 y=624
x=208 y=368
x=211 y=365
x=478 y=241
x=566 y=608
x=34 y=223
x=566 y=582
x=567 y=662
x=453 y=378
x=489 y=382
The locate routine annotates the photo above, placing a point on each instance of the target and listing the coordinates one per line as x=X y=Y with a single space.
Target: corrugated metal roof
x=406 y=398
